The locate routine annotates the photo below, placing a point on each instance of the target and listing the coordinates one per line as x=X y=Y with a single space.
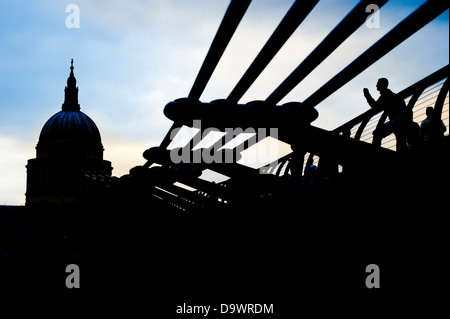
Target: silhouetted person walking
x=395 y=108
x=430 y=131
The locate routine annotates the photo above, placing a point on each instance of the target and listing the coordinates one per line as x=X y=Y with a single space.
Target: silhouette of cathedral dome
x=67 y=126
x=70 y=132
x=68 y=153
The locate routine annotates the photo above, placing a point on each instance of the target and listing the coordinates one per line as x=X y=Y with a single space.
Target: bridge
x=348 y=148
x=340 y=198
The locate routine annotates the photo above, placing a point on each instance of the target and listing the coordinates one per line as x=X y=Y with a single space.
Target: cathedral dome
x=70 y=133
x=70 y=126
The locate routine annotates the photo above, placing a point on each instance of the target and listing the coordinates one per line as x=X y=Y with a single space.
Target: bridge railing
x=430 y=91
x=417 y=97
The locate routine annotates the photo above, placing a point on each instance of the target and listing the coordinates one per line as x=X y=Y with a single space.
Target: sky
x=133 y=57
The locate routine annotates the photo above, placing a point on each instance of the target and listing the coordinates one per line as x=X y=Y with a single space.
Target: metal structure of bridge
x=350 y=147
x=338 y=196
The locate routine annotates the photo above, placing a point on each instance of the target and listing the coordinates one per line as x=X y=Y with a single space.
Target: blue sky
x=132 y=57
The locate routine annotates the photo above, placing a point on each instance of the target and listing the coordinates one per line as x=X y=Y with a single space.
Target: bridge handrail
x=414 y=90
